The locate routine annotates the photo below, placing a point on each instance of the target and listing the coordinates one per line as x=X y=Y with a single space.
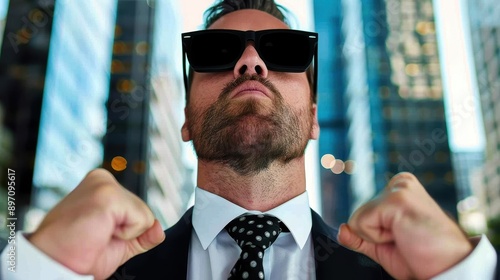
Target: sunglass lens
x=214 y=52
x=290 y=51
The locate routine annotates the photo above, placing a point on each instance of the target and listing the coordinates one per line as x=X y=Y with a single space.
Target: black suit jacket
x=169 y=259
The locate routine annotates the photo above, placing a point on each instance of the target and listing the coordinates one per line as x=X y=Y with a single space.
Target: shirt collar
x=212 y=213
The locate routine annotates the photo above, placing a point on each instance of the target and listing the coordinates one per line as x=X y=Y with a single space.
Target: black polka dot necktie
x=254 y=234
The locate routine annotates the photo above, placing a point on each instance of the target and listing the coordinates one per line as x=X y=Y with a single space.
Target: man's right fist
x=97 y=227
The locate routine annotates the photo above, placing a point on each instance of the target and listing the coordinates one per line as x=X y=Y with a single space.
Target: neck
x=262 y=191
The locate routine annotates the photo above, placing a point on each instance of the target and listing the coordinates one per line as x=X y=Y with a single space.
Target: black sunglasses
x=217 y=50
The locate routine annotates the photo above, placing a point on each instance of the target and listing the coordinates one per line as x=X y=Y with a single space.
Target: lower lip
x=250 y=93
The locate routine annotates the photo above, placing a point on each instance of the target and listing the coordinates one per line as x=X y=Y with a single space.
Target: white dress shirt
x=213 y=252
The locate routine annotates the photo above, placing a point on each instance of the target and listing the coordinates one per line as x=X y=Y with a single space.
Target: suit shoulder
x=168 y=260
x=331 y=258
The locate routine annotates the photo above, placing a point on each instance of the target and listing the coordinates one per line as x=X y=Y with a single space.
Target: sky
x=3 y=7
x=458 y=73
x=3 y=12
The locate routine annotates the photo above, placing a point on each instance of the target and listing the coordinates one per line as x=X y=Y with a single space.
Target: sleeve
x=22 y=260
x=480 y=264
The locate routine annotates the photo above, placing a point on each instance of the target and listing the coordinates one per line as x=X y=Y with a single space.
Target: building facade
x=23 y=62
x=409 y=130
x=336 y=198
x=484 y=19
x=98 y=88
x=391 y=100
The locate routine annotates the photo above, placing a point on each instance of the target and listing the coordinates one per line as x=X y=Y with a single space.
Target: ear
x=315 y=125
x=186 y=136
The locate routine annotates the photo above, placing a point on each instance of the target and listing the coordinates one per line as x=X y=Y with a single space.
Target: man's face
x=250 y=116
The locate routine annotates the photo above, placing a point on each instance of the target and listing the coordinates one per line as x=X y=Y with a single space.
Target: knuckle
x=404 y=176
x=98 y=172
x=403 y=180
x=399 y=197
x=106 y=194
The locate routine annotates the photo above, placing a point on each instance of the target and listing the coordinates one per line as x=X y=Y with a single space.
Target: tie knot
x=254 y=231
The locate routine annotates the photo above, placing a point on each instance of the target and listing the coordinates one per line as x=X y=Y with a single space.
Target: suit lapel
x=168 y=260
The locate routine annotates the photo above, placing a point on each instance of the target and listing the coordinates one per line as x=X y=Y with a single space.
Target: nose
x=250 y=63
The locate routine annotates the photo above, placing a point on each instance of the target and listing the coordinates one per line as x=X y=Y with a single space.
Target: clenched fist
x=97 y=227
x=406 y=232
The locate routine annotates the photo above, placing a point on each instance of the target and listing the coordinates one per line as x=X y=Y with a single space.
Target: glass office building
x=23 y=63
x=72 y=121
x=484 y=20
x=5 y=137
x=416 y=131
x=384 y=77
x=4 y=6
x=64 y=119
x=332 y=144
x=170 y=174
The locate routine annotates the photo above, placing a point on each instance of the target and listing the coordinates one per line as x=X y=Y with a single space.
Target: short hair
x=224 y=7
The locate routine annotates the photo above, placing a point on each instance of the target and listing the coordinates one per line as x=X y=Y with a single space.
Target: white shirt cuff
x=22 y=260
x=480 y=264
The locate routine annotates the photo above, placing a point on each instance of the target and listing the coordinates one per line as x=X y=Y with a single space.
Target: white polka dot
x=243 y=232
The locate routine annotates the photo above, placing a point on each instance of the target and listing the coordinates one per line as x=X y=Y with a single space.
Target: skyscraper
x=393 y=97
x=126 y=139
x=169 y=181
x=102 y=58
x=336 y=198
x=23 y=62
x=484 y=18
x=413 y=108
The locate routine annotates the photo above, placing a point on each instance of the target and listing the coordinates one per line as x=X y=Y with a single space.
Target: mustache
x=229 y=87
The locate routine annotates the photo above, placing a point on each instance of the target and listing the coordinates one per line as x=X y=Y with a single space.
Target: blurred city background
x=404 y=85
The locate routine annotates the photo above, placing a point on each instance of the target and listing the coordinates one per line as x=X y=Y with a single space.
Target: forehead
x=248 y=19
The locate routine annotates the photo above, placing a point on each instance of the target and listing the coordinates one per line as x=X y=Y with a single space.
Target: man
x=250 y=115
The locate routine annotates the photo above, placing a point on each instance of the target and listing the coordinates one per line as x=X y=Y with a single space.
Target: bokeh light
x=338 y=167
x=119 y=163
x=327 y=161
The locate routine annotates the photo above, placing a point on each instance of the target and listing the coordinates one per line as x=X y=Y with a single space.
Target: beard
x=249 y=135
